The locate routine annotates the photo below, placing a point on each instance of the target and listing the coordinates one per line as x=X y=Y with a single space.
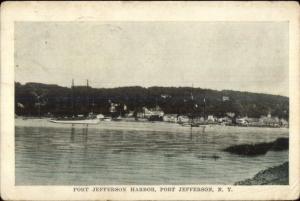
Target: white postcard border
x=12 y=12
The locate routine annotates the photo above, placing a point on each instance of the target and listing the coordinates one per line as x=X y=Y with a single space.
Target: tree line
x=33 y=99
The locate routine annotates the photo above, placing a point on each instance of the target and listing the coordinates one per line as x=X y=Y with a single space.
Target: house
x=210 y=119
x=156 y=111
x=230 y=114
x=130 y=114
x=100 y=116
x=140 y=115
x=242 y=121
x=152 y=114
x=225 y=120
x=253 y=121
x=269 y=121
x=198 y=119
x=164 y=96
x=225 y=98
x=170 y=118
x=284 y=123
x=183 y=119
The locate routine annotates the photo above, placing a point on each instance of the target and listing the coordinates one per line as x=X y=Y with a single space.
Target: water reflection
x=72 y=133
x=76 y=134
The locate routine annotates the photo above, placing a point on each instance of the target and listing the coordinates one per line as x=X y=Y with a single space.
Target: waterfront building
x=210 y=119
x=242 y=121
x=183 y=119
x=225 y=120
x=170 y=118
x=284 y=123
x=269 y=121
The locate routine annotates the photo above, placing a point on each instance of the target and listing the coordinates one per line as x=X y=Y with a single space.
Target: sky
x=243 y=56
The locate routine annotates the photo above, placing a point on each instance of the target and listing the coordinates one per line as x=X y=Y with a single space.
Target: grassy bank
x=278 y=175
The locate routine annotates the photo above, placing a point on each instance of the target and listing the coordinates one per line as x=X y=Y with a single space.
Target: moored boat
x=76 y=121
x=79 y=119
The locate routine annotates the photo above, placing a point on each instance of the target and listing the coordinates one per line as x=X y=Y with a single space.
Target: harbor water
x=136 y=153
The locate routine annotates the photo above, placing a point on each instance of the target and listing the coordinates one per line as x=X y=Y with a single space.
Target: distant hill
x=34 y=98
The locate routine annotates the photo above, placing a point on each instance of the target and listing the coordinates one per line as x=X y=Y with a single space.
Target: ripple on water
x=137 y=153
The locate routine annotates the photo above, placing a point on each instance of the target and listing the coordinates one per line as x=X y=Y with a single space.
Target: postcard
x=150 y=100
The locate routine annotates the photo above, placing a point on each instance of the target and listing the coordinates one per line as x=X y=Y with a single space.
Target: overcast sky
x=248 y=56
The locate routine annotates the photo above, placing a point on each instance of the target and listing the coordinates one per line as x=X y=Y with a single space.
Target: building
x=225 y=120
x=183 y=119
x=284 y=123
x=225 y=98
x=269 y=121
x=172 y=118
x=152 y=114
x=210 y=119
x=242 y=121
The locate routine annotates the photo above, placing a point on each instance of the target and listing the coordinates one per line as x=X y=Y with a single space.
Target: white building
x=170 y=118
x=183 y=119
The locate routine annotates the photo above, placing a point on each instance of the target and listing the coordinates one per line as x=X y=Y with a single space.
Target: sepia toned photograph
x=151 y=103
x=113 y=104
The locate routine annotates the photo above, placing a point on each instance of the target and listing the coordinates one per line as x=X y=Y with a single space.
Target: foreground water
x=113 y=153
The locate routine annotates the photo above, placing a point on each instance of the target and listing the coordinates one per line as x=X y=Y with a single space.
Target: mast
x=72 y=101
x=204 y=105
x=193 y=104
x=87 y=95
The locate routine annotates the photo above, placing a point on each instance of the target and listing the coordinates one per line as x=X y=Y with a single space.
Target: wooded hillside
x=33 y=99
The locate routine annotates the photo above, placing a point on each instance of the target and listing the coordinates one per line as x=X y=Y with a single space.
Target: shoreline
x=144 y=120
x=276 y=175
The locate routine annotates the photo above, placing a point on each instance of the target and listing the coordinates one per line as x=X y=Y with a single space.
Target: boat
x=76 y=121
x=119 y=118
x=192 y=121
x=80 y=119
x=107 y=119
x=193 y=124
